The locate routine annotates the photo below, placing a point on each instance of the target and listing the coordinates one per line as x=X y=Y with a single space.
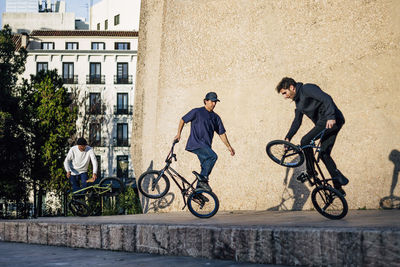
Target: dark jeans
x=327 y=142
x=207 y=159
x=78 y=181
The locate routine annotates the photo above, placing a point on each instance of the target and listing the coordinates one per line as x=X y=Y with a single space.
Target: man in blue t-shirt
x=204 y=122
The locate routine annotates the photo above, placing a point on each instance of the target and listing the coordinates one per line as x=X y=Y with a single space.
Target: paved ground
x=24 y=255
x=354 y=219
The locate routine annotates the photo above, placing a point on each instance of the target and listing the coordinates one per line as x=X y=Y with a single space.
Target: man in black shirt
x=320 y=108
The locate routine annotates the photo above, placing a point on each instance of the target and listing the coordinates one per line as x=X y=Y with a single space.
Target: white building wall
x=27 y=22
x=82 y=59
x=22 y=5
x=128 y=11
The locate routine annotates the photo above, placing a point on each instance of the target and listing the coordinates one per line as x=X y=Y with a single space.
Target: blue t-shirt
x=202 y=128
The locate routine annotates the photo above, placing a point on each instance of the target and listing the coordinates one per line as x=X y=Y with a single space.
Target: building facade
x=46 y=15
x=99 y=69
x=115 y=15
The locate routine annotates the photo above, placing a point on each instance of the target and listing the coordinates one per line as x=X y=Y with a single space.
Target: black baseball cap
x=81 y=141
x=212 y=96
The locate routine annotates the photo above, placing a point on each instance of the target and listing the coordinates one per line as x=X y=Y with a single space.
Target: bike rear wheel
x=329 y=202
x=114 y=186
x=151 y=185
x=285 y=153
x=79 y=208
x=203 y=204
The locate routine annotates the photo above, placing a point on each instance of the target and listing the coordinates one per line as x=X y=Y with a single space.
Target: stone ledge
x=257 y=244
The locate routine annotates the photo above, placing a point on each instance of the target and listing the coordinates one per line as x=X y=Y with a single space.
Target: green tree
x=12 y=146
x=51 y=122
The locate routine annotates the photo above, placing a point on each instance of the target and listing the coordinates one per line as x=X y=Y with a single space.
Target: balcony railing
x=127 y=110
x=96 y=109
x=122 y=142
x=95 y=79
x=73 y=79
x=122 y=79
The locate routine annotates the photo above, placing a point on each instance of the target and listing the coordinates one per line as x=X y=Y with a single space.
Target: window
x=98 y=26
x=122 y=103
x=116 y=20
x=94 y=103
x=122 y=46
x=68 y=73
x=122 y=134
x=94 y=134
x=106 y=24
x=122 y=73
x=71 y=46
x=42 y=66
x=95 y=76
x=98 y=46
x=47 y=46
x=122 y=166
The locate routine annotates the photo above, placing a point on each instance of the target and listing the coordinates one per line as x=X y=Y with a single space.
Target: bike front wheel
x=203 y=203
x=79 y=208
x=285 y=153
x=152 y=185
x=112 y=186
x=329 y=202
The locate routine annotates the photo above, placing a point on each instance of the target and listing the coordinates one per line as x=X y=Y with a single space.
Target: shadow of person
x=392 y=201
x=300 y=191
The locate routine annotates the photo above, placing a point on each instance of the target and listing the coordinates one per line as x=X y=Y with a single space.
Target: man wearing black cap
x=204 y=122
x=76 y=164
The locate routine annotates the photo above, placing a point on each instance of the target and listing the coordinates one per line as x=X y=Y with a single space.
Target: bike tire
x=147 y=187
x=79 y=208
x=201 y=208
x=285 y=153
x=329 y=202
x=115 y=185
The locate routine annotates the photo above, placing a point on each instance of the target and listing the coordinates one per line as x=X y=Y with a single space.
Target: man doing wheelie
x=320 y=108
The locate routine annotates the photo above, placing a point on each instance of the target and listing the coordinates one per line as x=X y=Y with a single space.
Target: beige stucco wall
x=241 y=49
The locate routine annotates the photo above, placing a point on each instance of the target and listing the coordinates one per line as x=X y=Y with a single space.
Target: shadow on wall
x=156 y=204
x=300 y=191
x=392 y=201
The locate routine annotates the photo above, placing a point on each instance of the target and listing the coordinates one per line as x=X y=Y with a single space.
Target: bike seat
x=341 y=179
x=200 y=177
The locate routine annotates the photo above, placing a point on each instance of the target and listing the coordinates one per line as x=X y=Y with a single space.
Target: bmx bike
x=155 y=184
x=86 y=201
x=327 y=200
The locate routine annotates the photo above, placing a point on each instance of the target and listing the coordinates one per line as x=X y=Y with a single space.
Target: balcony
x=123 y=79
x=73 y=79
x=95 y=79
x=121 y=142
x=127 y=110
x=96 y=109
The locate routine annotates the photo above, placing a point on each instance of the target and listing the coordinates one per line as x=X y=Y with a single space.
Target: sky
x=79 y=7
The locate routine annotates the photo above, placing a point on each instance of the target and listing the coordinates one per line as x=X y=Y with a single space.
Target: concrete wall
x=241 y=49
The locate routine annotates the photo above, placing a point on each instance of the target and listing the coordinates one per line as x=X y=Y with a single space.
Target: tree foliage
x=12 y=136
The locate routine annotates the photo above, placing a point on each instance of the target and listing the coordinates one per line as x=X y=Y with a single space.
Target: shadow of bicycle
x=155 y=204
x=392 y=201
x=299 y=194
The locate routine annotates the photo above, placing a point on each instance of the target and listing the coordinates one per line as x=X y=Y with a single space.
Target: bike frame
x=317 y=148
x=186 y=187
x=96 y=187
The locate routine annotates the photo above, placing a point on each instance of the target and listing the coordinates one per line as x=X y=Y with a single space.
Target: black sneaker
x=203 y=185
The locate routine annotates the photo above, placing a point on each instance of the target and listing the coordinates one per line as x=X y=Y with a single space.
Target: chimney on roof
x=24 y=39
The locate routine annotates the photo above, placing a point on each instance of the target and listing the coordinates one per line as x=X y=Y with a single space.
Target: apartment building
x=99 y=68
x=115 y=15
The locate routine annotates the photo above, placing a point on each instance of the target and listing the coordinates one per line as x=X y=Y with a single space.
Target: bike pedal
x=302 y=177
